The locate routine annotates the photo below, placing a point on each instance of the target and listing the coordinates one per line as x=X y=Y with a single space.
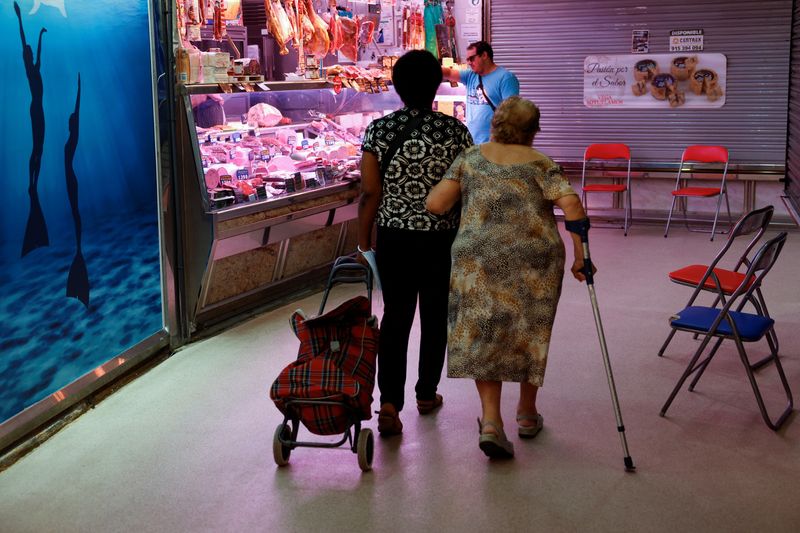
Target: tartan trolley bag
x=329 y=386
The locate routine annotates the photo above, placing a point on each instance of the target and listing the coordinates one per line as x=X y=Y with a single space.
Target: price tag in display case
x=263 y=86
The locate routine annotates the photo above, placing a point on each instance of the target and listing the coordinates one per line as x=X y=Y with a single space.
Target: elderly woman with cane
x=508 y=264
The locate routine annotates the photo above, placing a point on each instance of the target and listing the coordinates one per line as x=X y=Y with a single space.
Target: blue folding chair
x=730 y=322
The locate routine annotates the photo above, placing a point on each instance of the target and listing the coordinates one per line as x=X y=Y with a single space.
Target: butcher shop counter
x=269 y=198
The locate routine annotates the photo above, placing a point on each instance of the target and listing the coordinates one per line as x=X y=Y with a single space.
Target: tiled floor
x=187 y=447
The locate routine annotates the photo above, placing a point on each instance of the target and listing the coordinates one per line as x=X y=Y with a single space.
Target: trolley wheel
x=281 y=452
x=365 y=448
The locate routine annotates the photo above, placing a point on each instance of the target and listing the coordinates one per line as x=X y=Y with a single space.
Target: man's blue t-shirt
x=499 y=85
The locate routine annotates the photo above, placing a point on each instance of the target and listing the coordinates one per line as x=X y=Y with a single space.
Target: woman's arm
x=370 y=198
x=443 y=197
x=573 y=210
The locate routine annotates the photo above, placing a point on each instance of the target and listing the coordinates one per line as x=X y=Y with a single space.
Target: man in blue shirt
x=487 y=85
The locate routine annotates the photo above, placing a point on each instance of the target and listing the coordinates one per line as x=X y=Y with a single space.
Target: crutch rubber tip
x=629 y=464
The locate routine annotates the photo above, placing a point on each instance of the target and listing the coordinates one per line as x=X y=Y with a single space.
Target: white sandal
x=528 y=432
x=494 y=445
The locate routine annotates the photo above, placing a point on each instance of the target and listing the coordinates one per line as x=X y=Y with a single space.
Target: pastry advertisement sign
x=655 y=81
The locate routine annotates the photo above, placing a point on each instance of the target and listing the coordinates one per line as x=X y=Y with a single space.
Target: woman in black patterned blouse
x=405 y=154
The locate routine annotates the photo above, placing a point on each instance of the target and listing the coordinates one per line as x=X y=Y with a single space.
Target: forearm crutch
x=581 y=228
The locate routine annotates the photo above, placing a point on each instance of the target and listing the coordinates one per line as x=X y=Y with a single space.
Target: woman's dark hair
x=416 y=77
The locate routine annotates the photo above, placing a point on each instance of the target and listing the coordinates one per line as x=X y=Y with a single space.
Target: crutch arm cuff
x=580 y=227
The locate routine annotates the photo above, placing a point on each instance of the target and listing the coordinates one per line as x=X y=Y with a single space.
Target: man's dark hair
x=416 y=77
x=481 y=47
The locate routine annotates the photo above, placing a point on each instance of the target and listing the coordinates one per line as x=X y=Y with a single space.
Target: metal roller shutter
x=545 y=42
x=793 y=141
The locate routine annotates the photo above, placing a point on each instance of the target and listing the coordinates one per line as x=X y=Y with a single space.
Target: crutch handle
x=579 y=227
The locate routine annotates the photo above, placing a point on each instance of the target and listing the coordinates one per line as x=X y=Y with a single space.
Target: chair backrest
x=754 y=222
x=760 y=266
x=701 y=153
x=607 y=151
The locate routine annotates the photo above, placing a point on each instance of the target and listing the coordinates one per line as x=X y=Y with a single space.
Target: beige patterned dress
x=508 y=263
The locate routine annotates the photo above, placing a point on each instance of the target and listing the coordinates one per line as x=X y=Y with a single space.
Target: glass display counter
x=269 y=188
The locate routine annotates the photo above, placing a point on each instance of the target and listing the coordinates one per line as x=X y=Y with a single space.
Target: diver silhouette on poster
x=36 y=234
x=36 y=229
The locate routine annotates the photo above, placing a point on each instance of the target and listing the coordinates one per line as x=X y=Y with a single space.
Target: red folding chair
x=608 y=152
x=701 y=154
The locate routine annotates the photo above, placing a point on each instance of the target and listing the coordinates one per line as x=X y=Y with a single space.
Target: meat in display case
x=258 y=146
x=269 y=185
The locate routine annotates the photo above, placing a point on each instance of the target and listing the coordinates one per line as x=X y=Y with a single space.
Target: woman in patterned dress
x=413 y=245
x=508 y=263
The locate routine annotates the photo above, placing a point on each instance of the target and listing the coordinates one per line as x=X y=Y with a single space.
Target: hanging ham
x=349 y=48
x=334 y=28
x=319 y=43
x=278 y=24
x=304 y=29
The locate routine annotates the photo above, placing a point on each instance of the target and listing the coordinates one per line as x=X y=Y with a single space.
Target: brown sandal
x=389 y=421
x=427 y=406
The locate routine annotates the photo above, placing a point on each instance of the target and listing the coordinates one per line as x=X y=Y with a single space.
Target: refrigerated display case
x=269 y=192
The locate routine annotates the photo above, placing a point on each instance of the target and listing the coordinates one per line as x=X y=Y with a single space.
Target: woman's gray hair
x=516 y=121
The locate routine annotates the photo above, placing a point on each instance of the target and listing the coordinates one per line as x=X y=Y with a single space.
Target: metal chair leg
x=669 y=217
x=666 y=342
x=704 y=364
x=716 y=215
x=628 y=210
x=757 y=392
x=686 y=373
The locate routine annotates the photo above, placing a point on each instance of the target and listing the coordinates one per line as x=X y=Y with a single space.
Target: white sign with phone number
x=686 y=41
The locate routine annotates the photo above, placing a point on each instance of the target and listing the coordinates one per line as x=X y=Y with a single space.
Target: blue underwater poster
x=79 y=238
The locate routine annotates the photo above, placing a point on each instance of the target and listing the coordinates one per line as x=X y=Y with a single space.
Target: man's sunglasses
x=471 y=58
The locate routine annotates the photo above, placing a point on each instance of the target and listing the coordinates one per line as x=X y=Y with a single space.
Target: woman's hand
x=578 y=267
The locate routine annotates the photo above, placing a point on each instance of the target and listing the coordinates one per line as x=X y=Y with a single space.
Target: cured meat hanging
x=334 y=27
x=278 y=24
x=349 y=48
x=319 y=42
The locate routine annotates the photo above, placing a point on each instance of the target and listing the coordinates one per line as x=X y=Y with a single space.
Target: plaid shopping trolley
x=328 y=388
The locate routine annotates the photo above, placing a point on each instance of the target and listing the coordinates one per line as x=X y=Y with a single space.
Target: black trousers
x=412 y=265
